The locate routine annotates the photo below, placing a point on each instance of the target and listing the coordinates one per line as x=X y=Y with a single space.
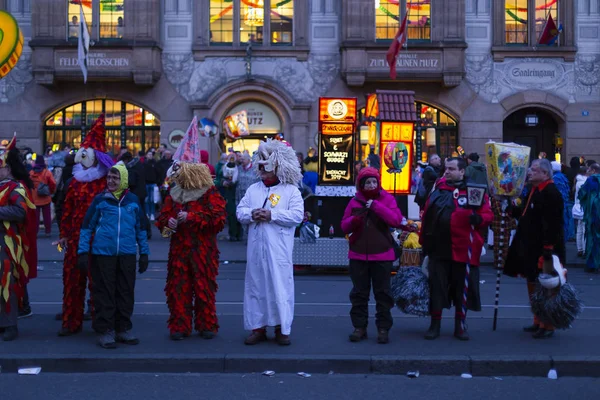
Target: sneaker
x=25 y=313
x=107 y=340
x=127 y=337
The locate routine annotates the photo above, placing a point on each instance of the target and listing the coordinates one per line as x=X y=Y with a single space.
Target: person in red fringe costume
x=89 y=179
x=18 y=239
x=192 y=215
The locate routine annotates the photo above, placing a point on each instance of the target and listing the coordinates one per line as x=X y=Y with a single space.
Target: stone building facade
x=470 y=85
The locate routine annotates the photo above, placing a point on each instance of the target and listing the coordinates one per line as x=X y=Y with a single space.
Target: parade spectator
x=192 y=216
x=204 y=160
x=589 y=196
x=476 y=171
x=540 y=234
x=137 y=185
x=431 y=174
x=301 y=161
x=451 y=238
x=562 y=184
x=311 y=169
x=368 y=219
x=113 y=235
x=18 y=240
x=152 y=179
x=273 y=208
x=162 y=167
x=62 y=186
x=572 y=173
x=44 y=186
x=578 y=213
x=246 y=178
x=373 y=158
x=229 y=182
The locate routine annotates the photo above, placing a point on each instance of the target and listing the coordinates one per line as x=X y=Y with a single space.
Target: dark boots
x=434 y=329
x=10 y=333
x=459 y=332
x=358 y=335
x=257 y=336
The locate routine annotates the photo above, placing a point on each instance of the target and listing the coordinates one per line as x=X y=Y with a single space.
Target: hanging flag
x=83 y=44
x=397 y=43
x=550 y=32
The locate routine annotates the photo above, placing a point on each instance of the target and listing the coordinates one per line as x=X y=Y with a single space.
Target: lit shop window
x=126 y=124
x=525 y=21
x=388 y=17
x=256 y=25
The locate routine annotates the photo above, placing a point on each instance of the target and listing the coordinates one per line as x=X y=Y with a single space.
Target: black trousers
x=363 y=275
x=113 y=292
x=446 y=285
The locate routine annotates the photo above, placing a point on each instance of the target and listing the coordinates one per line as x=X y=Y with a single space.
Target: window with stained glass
x=282 y=20
x=126 y=124
x=418 y=24
x=388 y=17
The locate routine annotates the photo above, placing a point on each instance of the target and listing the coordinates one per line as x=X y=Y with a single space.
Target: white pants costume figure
x=269 y=286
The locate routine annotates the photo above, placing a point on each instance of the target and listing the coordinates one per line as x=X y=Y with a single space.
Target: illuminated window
x=111 y=19
x=446 y=131
x=221 y=21
x=74 y=13
x=388 y=19
x=126 y=124
x=110 y=12
x=256 y=25
x=282 y=18
x=525 y=16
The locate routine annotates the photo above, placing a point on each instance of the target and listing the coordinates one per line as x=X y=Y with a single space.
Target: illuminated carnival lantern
x=11 y=43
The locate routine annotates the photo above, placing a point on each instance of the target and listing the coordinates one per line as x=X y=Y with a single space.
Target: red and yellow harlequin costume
x=89 y=180
x=17 y=245
x=193 y=255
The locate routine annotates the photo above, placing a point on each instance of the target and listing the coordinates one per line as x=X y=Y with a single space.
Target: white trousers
x=580 y=238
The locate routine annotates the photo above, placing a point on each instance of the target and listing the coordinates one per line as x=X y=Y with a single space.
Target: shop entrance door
x=539 y=136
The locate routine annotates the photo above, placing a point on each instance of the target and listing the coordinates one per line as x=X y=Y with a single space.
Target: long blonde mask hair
x=193 y=176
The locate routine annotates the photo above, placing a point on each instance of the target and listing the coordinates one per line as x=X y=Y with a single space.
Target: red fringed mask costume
x=18 y=252
x=89 y=179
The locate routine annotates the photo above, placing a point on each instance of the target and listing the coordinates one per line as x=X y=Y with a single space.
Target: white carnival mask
x=86 y=157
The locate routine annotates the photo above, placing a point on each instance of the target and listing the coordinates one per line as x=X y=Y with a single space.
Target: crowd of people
x=104 y=207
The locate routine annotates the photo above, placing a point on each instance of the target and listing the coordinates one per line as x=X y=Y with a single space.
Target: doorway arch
x=127 y=125
x=534 y=127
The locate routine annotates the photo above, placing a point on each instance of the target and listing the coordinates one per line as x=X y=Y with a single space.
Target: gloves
x=547 y=253
x=475 y=219
x=83 y=261
x=143 y=263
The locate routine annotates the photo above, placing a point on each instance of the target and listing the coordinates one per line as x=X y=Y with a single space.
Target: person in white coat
x=272 y=208
x=578 y=212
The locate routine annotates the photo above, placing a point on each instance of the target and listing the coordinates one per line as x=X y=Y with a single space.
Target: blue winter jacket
x=115 y=225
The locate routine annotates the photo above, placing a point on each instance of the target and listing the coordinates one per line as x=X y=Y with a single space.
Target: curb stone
x=478 y=366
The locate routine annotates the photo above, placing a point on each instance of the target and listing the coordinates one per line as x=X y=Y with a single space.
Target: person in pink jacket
x=367 y=220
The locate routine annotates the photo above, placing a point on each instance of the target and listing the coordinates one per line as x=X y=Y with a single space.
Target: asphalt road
x=288 y=387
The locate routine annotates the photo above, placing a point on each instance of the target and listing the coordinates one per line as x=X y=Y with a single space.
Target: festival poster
x=336 y=159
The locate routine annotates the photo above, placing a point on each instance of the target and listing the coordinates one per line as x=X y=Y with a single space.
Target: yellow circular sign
x=11 y=43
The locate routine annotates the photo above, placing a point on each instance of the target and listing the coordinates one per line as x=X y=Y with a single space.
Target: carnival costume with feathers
x=18 y=254
x=89 y=179
x=269 y=284
x=193 y=254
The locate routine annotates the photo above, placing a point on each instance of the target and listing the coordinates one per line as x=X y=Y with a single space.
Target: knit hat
x=96 y=137
x=39 y=161
x=556 y=167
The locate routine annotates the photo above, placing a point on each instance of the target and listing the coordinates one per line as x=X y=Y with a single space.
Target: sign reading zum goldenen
x=97 y=61
x=408 y=62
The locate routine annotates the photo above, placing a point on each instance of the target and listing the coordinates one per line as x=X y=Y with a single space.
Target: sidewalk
x=319 y=345
x=236 y=252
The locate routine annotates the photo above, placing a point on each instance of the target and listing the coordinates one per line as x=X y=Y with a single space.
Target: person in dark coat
x=62 y=186
x=540 y=234
x=431 y=173
x=451 y=238
x=572 y=173
x=151 y=175
x=137 y=185
x=476 y=171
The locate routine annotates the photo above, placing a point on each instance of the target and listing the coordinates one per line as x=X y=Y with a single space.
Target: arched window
x=389 y=13
x=445 y=132
x=126 y=125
